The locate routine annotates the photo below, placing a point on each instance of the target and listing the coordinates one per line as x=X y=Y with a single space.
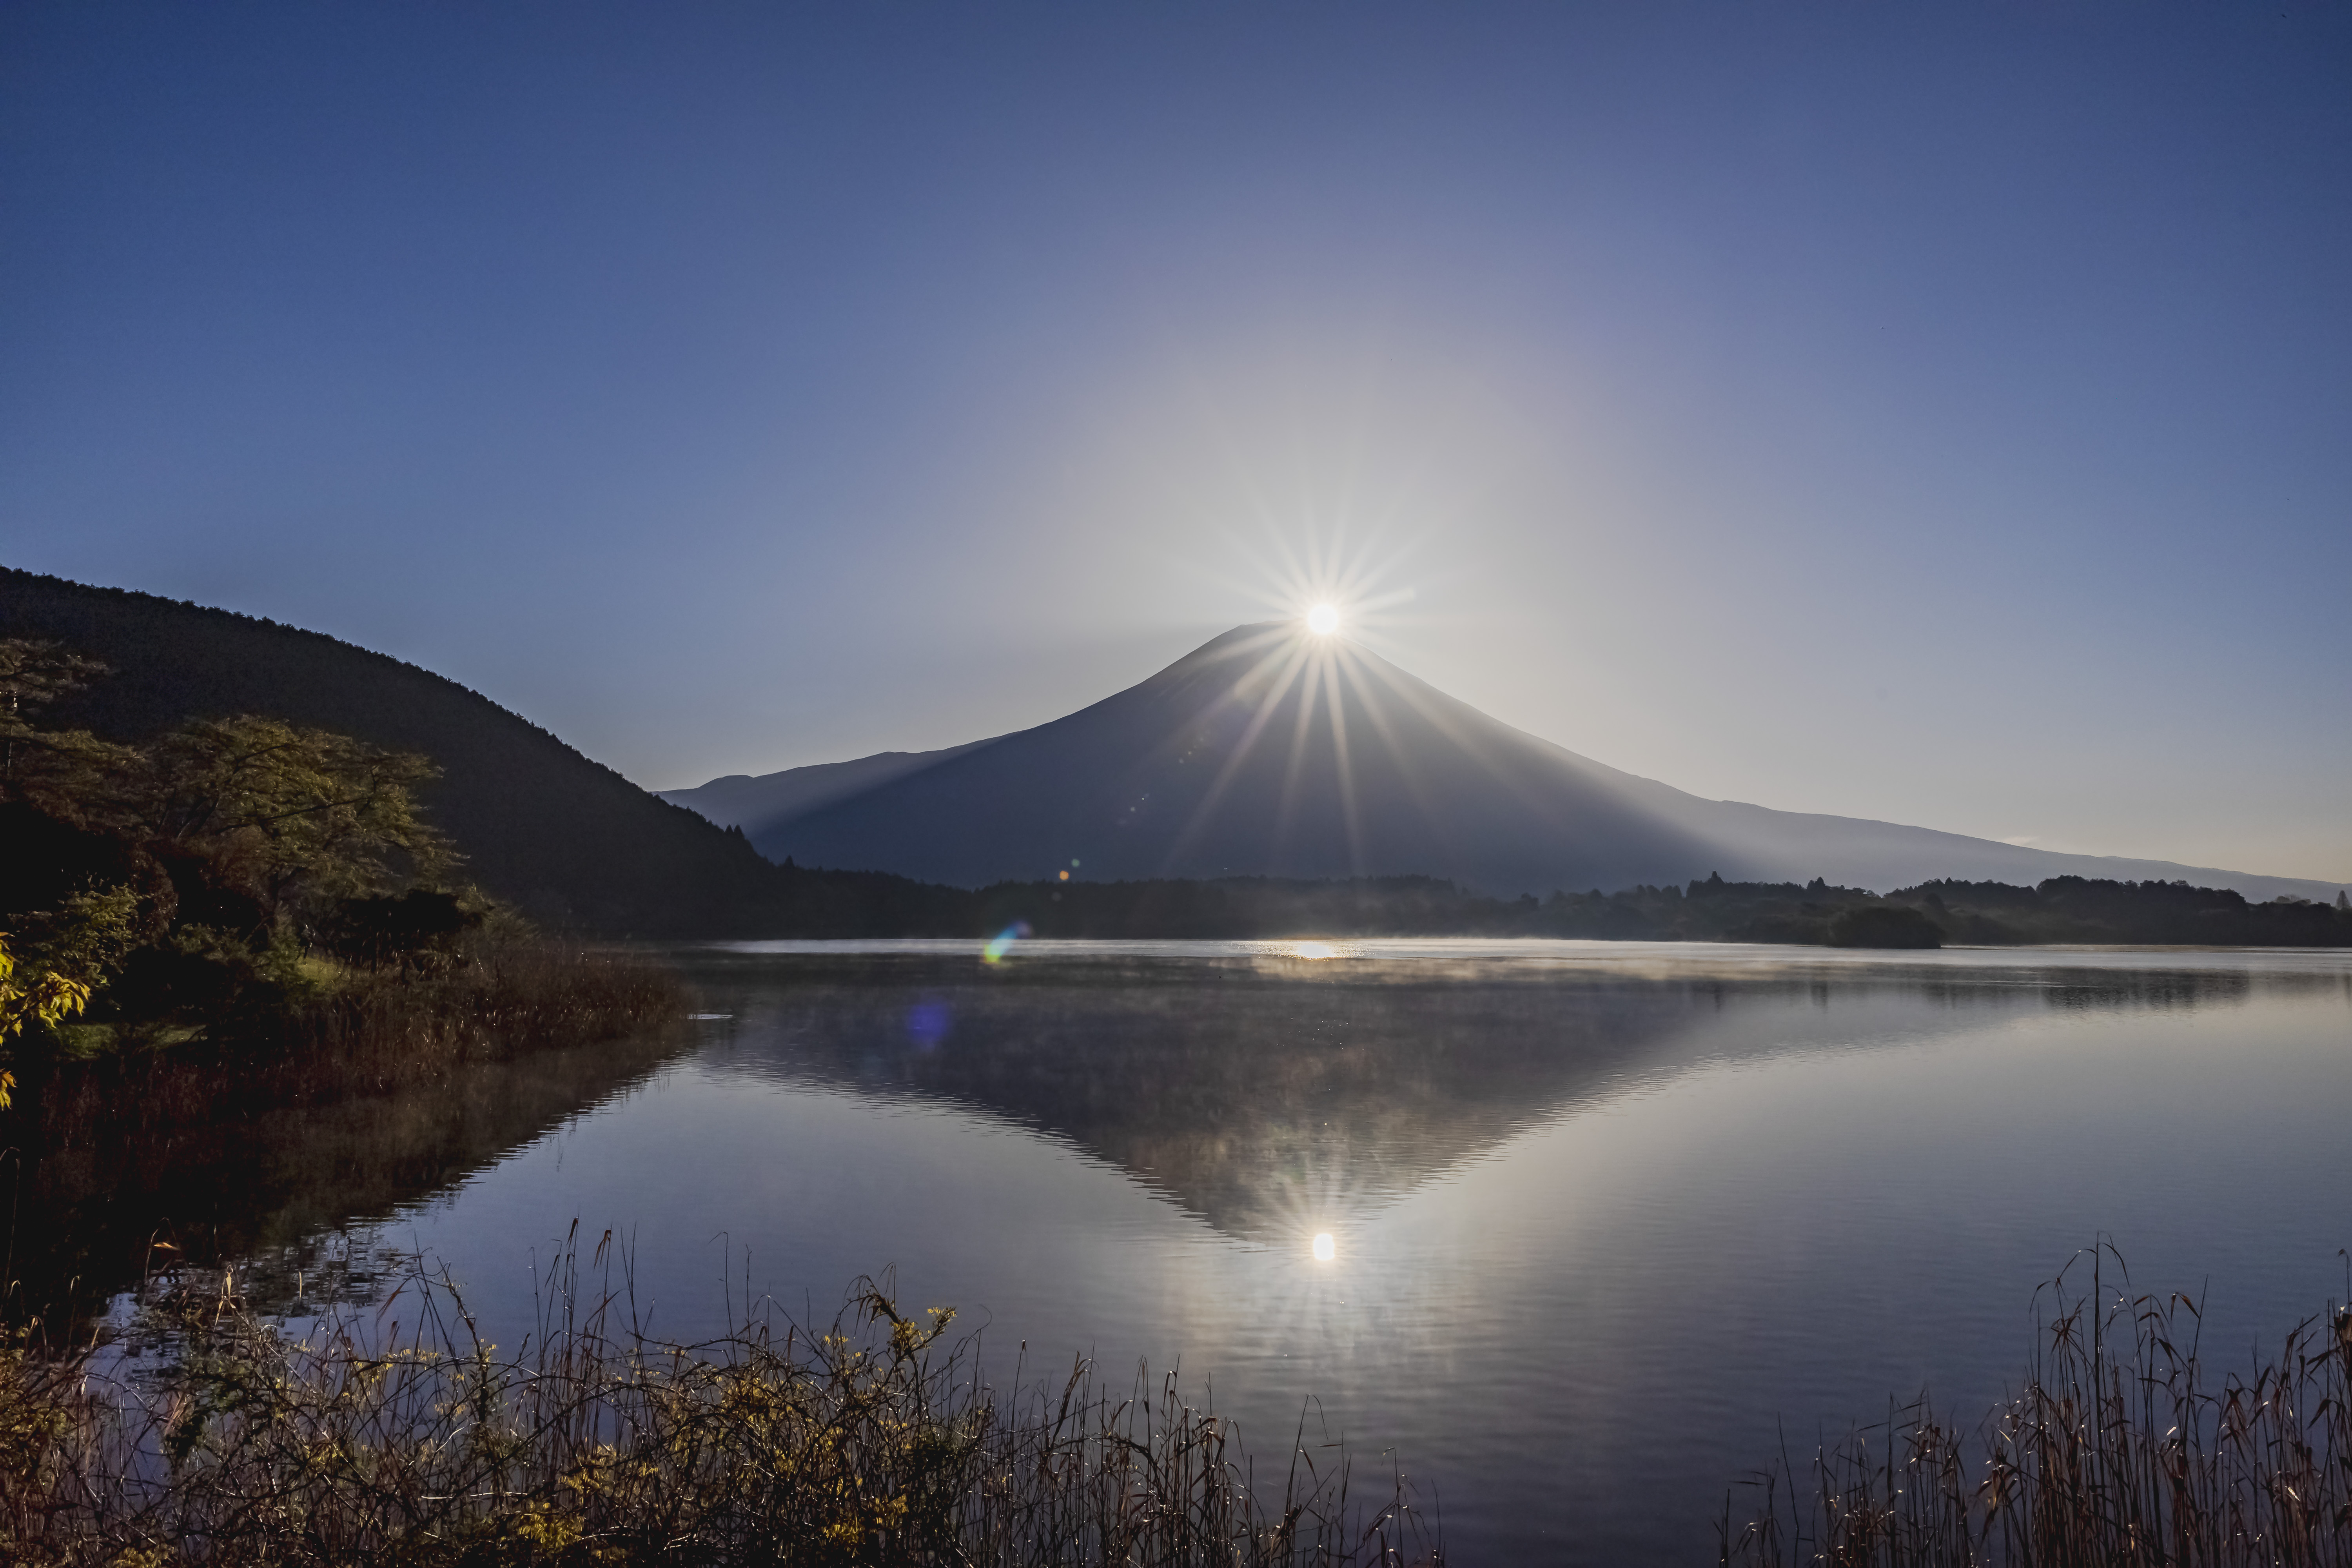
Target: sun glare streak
x=1510 y=779
x=1357 y=671
x=1318 y=669
x=1322 y=656
x=1349 y=817
x=1295 y=658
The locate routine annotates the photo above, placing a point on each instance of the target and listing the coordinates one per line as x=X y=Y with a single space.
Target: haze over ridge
x=1267 y=751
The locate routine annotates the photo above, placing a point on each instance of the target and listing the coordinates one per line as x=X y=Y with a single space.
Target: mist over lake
x=1607 y=1221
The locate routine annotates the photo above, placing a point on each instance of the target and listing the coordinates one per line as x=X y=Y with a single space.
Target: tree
x=293 y=818
x=69 y=774
x=34 y=672
x=47 y=998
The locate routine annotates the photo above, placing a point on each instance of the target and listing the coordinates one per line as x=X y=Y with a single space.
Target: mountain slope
x=739 y=799
x=566 y=838
x=1266 y=752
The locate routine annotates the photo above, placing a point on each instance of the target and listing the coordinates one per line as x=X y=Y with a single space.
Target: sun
x=1323 y=620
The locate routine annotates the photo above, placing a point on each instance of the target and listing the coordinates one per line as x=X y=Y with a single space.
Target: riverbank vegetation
x=265 y=904
x=2125 y=1447
x=394 y=1433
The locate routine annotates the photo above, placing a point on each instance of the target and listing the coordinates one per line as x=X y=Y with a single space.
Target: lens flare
x=1323 y=620
x=1326 y=1249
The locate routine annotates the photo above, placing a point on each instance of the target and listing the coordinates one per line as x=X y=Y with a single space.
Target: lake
x=1605 y=1221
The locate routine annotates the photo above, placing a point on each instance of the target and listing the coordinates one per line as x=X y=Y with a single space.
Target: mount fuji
x=1270 y=751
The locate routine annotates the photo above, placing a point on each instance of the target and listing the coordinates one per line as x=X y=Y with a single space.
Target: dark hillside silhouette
x=567 y=839
x=739 y=799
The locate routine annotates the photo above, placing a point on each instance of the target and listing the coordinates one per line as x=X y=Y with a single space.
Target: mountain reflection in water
x=1607 y=1224
x=1274 y=1094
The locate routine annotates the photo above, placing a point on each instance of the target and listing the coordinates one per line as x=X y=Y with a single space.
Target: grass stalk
x=2124 y=1449
x=401 y=1435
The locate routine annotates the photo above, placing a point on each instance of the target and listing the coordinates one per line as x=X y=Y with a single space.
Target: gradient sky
x=1938 y=414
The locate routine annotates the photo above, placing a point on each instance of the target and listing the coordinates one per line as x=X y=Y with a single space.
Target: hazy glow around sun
x=1329 y=594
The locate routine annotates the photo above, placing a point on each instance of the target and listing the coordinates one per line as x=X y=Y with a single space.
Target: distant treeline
x=2062 y=909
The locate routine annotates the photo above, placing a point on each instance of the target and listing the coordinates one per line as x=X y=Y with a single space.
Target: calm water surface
x=1606 y=1218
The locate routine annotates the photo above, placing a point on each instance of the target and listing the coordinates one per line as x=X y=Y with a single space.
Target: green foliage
x=296 y=818
x=44 y=998
x=88 y=936
x=34 y=672
x=563 y=839
x=179 y=889
x=69 y=774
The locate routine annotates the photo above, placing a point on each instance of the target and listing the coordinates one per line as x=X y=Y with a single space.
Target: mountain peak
x=1272 y=751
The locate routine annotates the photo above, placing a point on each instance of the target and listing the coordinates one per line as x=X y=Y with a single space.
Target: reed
x=2124 y=1449
x=402 y=1436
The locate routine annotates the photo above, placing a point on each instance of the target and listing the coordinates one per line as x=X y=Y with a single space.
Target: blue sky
x=1938 y=414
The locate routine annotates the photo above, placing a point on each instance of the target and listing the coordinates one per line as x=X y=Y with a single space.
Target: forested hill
x=566 y=838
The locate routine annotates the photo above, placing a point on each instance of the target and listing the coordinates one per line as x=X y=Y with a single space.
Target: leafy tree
x=69 y=774
x=47 y=998
x=35 y=672
x=294 y=818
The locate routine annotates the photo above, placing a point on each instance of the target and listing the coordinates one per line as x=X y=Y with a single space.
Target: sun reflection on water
x=1326 y=1249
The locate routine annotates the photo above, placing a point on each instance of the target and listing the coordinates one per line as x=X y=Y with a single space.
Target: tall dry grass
x=402 y=1437
x=2125 y=1449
